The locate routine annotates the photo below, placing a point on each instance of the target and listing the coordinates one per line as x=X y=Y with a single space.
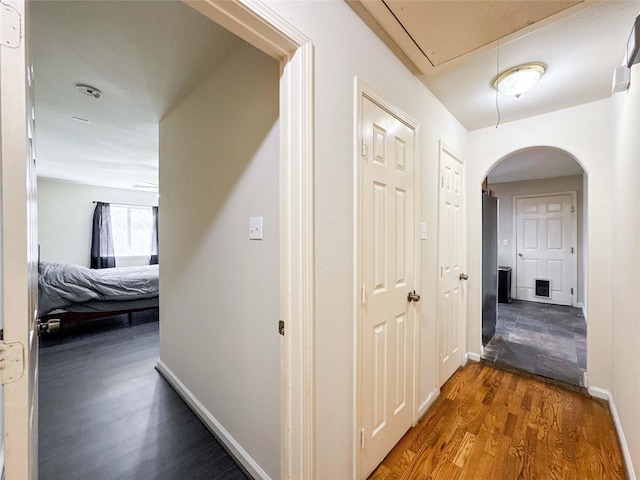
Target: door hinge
x=363 y=147
x=362 y=438
x=10 y=34
x=11 y=362
x=573 y=209
x=281 y=327
x=571 y=249
x=363 y=295
x=572 y=291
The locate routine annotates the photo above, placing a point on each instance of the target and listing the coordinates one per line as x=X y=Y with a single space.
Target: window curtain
x=102 y=252
x=154 y=259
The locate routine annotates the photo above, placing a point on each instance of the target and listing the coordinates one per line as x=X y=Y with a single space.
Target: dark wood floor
x=106 y=414
x=491 y=424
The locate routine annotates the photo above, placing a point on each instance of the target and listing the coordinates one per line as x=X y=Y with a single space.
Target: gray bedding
x=73 y=287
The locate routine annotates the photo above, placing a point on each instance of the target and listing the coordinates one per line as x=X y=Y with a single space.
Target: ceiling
x=143 y=56
x=146 y=56
x=457 y=48
x=534 y=164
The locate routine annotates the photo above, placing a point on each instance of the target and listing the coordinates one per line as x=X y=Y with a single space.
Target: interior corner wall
x=219 y=310
x=65 y=213
x=625 y=223
x=586 y=133
x=505 y=192
x=344 y=47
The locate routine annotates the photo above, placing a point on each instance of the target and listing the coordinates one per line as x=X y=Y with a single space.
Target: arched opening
x=534 y=214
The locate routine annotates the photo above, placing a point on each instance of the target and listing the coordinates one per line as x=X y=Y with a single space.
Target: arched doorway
x=534 y=251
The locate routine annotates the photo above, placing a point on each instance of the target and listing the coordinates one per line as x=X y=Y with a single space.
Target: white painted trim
x=474 y=357
x=256 y=23
x=212 y=424
x=429 y=401
x=2 y=462
x=574 y=240
x=603 y=394
x=362 y=91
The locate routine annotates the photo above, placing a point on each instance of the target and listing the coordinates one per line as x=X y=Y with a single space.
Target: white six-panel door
x=451 y=253
x=387 y=328
x=544 y=247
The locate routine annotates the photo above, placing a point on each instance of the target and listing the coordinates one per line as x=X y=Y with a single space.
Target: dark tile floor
x=543 y=339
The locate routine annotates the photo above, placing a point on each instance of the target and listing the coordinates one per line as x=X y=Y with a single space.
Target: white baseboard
x=584 y=312
x=474 y=357
x=626 y=455
x=424 y=406
x=213 y=424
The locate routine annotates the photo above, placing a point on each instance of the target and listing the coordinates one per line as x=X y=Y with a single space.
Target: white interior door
x=387 y=328
x=544 y=248
x=451 y=253
x=19 y=249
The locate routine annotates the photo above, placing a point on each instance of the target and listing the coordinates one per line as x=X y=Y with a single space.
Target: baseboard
x=626 y=455
x=584 y=312
x=426 y=405
x=474 y=357
x=2 y=462
x=212 y=424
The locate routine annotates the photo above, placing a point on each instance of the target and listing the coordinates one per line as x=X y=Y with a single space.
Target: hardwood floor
x=106 y=413
x=495 y=425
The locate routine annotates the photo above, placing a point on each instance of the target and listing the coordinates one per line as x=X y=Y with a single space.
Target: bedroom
x=242 y=188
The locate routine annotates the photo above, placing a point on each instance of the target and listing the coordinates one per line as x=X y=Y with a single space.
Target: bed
x=72 y=293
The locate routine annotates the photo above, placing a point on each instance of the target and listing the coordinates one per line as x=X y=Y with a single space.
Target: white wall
x=344 y=48
x=219 y=166
x=625 y=226
x=586 y=133
x=65 y=213
x=506 y=230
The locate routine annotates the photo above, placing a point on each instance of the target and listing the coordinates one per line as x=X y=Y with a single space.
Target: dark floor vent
x=543 y=288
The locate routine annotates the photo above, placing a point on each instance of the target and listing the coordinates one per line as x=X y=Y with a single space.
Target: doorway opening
x=534 y=214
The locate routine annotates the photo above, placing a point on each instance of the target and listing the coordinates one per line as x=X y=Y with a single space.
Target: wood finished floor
x=106 y=413
x=495 y=425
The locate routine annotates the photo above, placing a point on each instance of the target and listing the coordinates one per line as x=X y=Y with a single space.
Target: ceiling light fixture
x=88 y=90
x=517 y=80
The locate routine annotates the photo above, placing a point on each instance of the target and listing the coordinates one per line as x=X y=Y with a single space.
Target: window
x=132 y=229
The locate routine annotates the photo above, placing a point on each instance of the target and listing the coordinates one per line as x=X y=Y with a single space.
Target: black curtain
x=154 y=259
x=102 y=252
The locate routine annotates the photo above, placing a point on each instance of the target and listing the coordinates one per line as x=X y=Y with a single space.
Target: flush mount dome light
x=517 y=80
x=88 y=90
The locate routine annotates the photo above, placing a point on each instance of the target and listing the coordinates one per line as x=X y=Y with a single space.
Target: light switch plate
x=255 y=228
x=423 y=231
x=505 y=242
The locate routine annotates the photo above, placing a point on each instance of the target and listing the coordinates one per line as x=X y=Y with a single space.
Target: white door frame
x=574 y=240
x=442 y=149
x=362 y=91
x=254 y=22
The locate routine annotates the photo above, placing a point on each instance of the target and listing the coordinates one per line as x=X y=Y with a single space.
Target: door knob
x=464 y=276
x=413 y=297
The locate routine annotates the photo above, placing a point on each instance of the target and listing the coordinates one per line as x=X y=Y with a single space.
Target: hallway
x=544 y=339
x=490 y=424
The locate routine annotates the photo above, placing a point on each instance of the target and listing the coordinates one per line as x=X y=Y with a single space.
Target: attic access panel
x=444 y=30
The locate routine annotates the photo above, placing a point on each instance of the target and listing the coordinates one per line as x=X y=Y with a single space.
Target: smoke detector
x=88 y=90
